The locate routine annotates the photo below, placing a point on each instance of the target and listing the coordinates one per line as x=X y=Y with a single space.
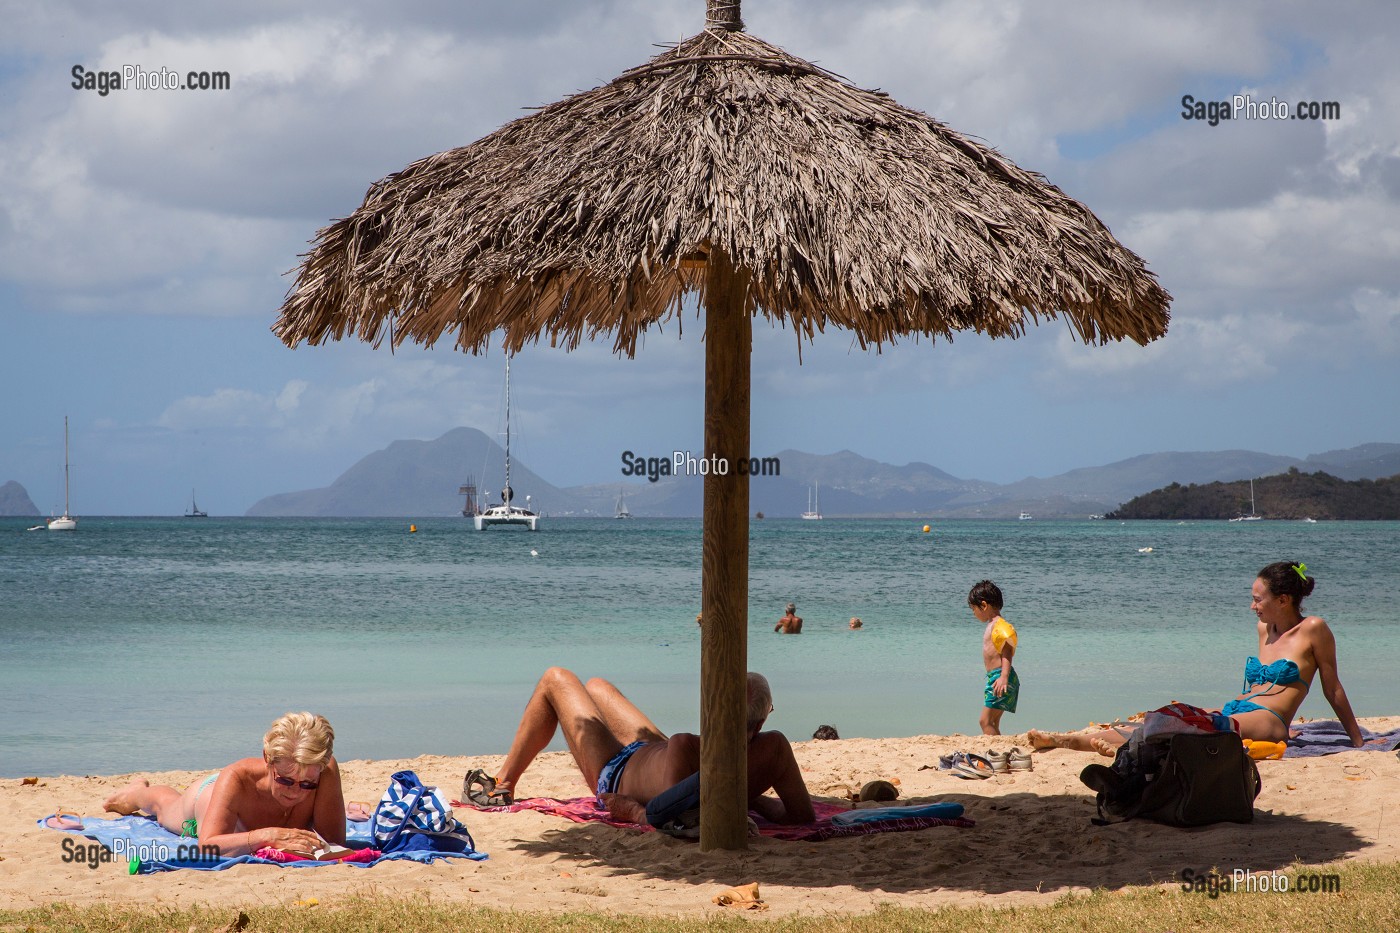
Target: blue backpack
x=676 y=810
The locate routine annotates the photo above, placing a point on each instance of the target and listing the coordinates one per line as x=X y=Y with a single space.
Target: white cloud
x=289 y=399
x=225 y=408
x=1378 y=323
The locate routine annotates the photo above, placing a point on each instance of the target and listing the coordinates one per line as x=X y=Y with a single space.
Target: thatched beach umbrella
x=766 y=185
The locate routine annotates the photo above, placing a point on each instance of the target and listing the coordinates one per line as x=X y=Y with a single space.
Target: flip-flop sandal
x=949 y=762
x=479 y=788
x=974 y=767
x=65 y=820
x=357 y=812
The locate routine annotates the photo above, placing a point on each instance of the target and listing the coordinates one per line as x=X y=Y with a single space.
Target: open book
x=330 y=852
x=323 y=851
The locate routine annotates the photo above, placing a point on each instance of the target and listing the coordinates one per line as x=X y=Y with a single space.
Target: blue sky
x=144 y=238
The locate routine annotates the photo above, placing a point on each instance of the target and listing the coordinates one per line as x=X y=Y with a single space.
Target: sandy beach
x=1033 y=840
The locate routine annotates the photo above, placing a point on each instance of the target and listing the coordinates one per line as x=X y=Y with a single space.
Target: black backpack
x=1181 y=780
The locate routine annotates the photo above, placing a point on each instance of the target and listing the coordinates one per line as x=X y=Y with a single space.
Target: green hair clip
x=1302 y=571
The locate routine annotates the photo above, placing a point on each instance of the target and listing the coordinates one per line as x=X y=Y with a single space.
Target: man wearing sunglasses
x=289 y=799
x=629 y=760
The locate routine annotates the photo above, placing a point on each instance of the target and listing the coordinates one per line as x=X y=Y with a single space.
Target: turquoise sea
x=156 y=643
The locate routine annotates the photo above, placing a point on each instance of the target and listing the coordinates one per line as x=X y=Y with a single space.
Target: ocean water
x=150 y=643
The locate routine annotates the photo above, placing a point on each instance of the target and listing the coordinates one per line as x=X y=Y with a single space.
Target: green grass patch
x=1363 y=898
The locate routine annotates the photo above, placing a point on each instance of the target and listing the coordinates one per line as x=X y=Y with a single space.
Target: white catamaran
x=506 y=513
x=65 y=522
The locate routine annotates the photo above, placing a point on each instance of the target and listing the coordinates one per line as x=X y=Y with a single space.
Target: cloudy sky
x=145 y=237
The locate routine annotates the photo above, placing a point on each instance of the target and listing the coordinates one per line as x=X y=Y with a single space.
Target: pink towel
x=579 y=809
x=586 y=810
x=277 y=855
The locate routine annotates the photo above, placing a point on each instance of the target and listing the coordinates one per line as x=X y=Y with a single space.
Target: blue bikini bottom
x=611 y=775
x=1235 y=707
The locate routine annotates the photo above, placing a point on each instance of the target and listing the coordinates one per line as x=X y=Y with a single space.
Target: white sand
x=1033 y=840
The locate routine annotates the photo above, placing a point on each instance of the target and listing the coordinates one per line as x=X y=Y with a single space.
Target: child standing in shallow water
x=998 y=646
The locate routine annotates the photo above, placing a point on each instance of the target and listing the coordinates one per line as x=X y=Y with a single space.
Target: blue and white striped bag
x=411 y=815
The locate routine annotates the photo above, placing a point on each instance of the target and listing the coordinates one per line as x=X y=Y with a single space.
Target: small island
x=1294 y=495
x=14 y=500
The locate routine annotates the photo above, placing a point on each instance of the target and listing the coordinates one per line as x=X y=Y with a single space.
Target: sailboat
x=506 y=513
x=1251 y=517
x=66 y=522
x=195 y=511
x=814 y=503
x=621 y=505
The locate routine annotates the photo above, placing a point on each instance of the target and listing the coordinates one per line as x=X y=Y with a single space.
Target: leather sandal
x=479 y=788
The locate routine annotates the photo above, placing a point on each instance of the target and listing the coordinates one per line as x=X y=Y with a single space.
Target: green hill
x=1292 y=495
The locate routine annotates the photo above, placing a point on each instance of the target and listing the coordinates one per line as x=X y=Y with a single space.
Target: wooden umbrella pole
x=724 y=585
x=723 y=15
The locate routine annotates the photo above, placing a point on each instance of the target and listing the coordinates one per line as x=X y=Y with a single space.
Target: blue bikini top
x=1279 y=674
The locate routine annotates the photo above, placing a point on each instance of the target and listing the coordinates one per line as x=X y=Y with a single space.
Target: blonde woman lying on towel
x=289 y=799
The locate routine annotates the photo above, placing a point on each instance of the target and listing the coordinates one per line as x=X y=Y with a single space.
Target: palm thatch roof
x=594 y=214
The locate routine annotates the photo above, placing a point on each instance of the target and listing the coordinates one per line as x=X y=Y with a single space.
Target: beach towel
x=1327 y=737
x=158 y=849
x=947 y=810
x=587 y=810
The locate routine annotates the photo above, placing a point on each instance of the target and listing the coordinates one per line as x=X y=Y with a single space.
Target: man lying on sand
x=622 y=753
x=289 y=799
x=1293 y=649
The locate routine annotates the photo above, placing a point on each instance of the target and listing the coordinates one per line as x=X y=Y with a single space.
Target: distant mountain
x=420 y=478
x=410 y=478
x=14 y=500
x=1104 y=487
x=1369 y=461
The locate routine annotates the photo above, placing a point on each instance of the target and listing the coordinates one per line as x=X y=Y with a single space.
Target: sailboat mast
x=65 y=467
x=507 y=492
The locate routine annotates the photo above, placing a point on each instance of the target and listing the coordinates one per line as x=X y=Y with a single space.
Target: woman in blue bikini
x=1296 y=647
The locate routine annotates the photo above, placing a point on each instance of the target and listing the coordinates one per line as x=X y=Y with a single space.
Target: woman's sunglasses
x=288 y=782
